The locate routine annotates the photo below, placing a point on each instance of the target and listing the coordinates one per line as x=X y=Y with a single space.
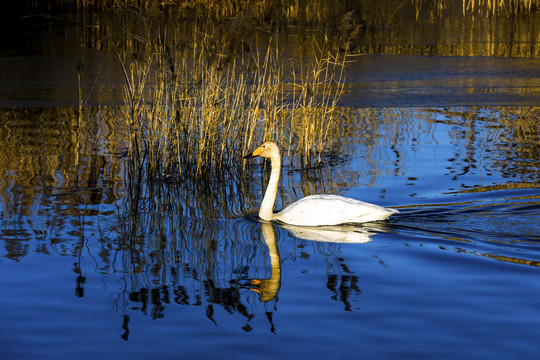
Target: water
x=193 y=273
x=453 y=275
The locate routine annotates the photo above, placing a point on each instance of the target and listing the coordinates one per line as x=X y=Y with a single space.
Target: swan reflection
x=269 y=288
x=338 y=234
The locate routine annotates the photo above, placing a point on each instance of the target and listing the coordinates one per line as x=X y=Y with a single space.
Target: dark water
x=186 y=270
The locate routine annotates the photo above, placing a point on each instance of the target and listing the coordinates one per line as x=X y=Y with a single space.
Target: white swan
x=314 y=210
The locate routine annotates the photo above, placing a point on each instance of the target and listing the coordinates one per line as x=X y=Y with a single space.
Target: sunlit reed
x=202 y=106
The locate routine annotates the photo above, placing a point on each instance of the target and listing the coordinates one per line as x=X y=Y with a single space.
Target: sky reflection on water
x=461 y=258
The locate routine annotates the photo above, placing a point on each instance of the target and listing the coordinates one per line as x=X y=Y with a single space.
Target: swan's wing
x=318 y=210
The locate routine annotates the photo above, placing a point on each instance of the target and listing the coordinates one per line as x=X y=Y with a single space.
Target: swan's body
x=314 y=210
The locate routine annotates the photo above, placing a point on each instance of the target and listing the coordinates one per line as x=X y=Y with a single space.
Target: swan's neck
x=267 y=206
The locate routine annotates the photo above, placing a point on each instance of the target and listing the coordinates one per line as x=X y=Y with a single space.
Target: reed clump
x=505 y=7
x=299 y=11
x=199 y=107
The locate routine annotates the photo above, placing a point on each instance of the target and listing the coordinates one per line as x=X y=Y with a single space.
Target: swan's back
x=316 y=210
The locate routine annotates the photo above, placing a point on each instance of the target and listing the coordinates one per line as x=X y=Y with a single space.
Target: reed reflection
x=391 y=27
x=172 y=252
x=57 y=176
x=493 y=141
x=380 y=27
x=52 y=186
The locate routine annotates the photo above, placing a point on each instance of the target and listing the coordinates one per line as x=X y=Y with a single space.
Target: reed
x=281 y=12
x=199 y=108
x=505 y=7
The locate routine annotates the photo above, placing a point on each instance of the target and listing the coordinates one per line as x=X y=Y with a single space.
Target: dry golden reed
x=279 y=12
x=200 y=107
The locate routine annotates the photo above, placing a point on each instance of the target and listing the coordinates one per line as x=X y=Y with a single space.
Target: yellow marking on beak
x=257 y=151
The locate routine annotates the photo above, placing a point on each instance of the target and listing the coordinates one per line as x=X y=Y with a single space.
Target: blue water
x=186 y=270
x=454 y=275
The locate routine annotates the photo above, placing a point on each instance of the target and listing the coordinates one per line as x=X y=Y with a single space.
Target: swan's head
x=268 y=150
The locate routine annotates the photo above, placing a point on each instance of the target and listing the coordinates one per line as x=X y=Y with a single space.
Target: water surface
x=96 y=265
x=454 y=274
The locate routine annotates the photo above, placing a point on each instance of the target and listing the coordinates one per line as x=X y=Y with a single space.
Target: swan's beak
x=255 y=153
